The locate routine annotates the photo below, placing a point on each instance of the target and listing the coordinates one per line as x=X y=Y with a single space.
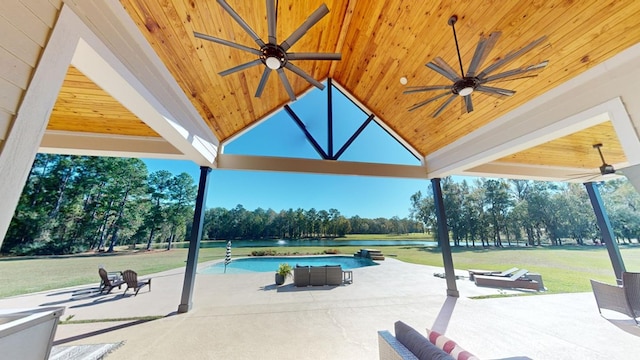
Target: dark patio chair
x=130 y=277
x=108 y=282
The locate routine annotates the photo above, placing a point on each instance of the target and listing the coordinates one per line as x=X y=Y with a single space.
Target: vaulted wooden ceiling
x=380 y=42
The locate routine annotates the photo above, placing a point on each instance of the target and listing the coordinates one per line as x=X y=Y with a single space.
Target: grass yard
x=566 y=269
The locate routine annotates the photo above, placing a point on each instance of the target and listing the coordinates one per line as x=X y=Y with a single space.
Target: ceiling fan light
x=465 y=91
x=272 y=63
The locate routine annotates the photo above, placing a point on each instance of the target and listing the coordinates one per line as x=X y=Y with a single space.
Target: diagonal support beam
x=353 y=137
x=306 y=132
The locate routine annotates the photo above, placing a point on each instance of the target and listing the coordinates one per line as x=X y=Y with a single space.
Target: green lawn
x=566 y=269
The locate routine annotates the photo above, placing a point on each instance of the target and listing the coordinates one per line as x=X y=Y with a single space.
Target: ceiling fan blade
x=240 y=67
x=446 y=103
x=421 y=104
x=495 y=90
x=314 y=56
x=271 y=21
x=446 y=67
x=241 y=22
x=468 y=103
x=515 y=72
x=286 y=84
x=512 y=78
x=306 y=25
x=263 y=81
x=510 y=56
x=416 y=89
x=304 y=75
x=227 y=43
x=485 y=45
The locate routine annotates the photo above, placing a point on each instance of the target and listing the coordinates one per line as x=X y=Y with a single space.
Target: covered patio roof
x=138 y=83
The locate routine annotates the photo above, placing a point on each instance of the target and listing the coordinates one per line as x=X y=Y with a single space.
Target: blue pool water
x=270 y=264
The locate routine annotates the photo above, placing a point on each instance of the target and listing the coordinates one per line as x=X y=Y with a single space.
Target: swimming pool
x=270 y=264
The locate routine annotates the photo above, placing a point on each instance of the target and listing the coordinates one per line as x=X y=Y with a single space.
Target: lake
x=306 y=242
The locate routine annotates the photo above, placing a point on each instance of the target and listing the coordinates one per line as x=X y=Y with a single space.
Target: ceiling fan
x=605 y=169
x=274 y=56
x=465 y=84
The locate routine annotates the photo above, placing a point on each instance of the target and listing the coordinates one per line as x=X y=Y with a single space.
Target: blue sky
x=367 y=197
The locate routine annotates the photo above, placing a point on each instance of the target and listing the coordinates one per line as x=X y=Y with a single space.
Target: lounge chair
x=473 y=273
x=517 y=280
x=109 y=281
x=130 y=277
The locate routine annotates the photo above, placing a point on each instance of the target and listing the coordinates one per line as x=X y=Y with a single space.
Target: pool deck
x=245 y=316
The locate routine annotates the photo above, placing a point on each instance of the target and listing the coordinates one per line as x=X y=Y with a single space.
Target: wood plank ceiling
x=382 y=41
x=82 y=106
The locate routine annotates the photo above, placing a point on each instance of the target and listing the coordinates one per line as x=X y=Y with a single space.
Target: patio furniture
x=130 y=277
x=301 y=275
x=474 y=272
x=623 y=299
x=517 y=280
x=334 y=275
x=631 y=284
x=347 y=277
x=27 y=334
x=331 y=275
x=408 y=343
x=108 y=281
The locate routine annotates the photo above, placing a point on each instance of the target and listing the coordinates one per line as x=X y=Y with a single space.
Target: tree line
x=72 y=204
x=240 y=223
x=498 y=212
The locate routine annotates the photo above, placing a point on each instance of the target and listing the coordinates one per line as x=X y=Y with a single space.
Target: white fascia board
x=380 y=122
x=595 y=96
x=116 y=56
x=91 y=144
x=314 y=166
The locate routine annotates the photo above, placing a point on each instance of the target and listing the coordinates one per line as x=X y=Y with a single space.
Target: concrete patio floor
x=245 y=316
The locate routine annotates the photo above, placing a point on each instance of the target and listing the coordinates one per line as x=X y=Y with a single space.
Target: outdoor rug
x=84 y=352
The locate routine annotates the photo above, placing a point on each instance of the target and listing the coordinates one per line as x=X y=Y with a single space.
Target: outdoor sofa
x=317 y=275
x=409 y=344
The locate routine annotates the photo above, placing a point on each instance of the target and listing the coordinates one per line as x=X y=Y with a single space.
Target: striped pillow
x=449 y=346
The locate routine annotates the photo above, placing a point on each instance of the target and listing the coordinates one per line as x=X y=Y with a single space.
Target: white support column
x=30 y=122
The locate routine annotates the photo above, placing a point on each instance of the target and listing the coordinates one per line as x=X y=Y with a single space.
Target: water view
x=306 y=242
